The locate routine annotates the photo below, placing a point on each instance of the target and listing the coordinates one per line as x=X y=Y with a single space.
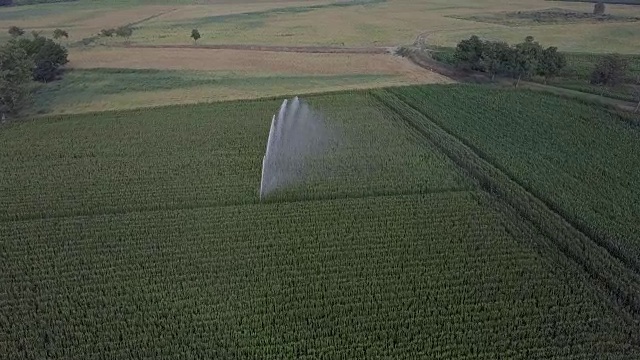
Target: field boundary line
x=35 y=217
x=620 y=281
x=269 y=48
x=138 y=22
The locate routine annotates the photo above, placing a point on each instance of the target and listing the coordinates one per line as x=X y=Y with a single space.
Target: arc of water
x=266 y=156
x=293 y=134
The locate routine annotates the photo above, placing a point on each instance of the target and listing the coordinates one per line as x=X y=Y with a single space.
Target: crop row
x=421 y=275
x=601 y=266
x=95 y=164
x=576 y=157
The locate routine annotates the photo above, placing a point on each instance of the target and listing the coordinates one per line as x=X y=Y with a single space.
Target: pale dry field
x=393 y=22
x=297 y=22
x=251 y=62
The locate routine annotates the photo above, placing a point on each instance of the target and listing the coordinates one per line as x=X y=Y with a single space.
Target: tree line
x=24 y=60
x=529 y=58
x=522 y=60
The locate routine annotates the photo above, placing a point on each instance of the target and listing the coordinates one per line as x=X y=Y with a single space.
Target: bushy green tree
x=599 y=8
x=47 y=57
x=522 y=60
x=15 y=31
x=59 y=33
x=610 y=71
x=124 y=31
x=107 y=32
x=551 y=63
x=195 y=35
x=496 y=57
x=635 y=93
x=15 y=76
x=526 y=58
x=468 y=53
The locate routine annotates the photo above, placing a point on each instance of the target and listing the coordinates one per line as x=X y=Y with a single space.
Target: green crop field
x=449 y=223
x=93 y=90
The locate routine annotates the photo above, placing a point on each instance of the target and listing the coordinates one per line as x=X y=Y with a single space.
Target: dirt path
x=273 y=48
x=621 y=104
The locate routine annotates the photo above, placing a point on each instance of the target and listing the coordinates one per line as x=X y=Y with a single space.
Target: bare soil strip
x=253 y=62
x=274 y=48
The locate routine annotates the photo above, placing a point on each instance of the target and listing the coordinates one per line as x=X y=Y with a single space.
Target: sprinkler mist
x=297 y=133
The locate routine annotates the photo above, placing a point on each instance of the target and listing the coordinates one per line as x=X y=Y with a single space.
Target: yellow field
x=391 y=23
x=250 y=62
x=317 y=22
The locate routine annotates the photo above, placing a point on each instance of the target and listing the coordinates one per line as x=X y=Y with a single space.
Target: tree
x=6 y=2
x=526 y=58
x=15 y=31
x=468 y=53
x=107 y=32
x=124 y=31
x=195 y=35
x=15 y=76
x=598 y=8
x=635 y=93
x=610 y=71
x=496 y=57
x=59 y=33
x=47 y=56
x=551 y=62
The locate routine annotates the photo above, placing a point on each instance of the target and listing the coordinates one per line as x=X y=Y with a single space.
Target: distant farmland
x=460 y=222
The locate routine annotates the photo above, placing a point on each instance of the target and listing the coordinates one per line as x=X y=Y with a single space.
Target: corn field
x=429 y=233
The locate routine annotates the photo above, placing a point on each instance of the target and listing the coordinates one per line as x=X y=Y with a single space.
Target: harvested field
x=247 y=61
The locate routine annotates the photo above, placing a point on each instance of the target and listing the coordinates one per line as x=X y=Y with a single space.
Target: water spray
x=296 y=133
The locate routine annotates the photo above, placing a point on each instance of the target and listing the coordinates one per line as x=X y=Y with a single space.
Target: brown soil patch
x=250 y=61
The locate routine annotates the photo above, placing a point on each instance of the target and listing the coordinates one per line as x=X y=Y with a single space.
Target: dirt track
x=274 y=48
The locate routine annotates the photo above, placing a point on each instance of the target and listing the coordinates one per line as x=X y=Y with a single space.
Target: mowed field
x=140 y=233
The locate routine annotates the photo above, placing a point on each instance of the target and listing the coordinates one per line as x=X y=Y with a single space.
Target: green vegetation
x=546 y=17
x=48 y=56
x=195 y=35
x=15 y=76
x=522 y=60
x=438 y=232
x=21 y=60
x=86 y=90
x=15 y=31
x=214 y=182
x=59 y=33
x=580 y=161
x=575 y=75
x=610 y=71
x=621 y=2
